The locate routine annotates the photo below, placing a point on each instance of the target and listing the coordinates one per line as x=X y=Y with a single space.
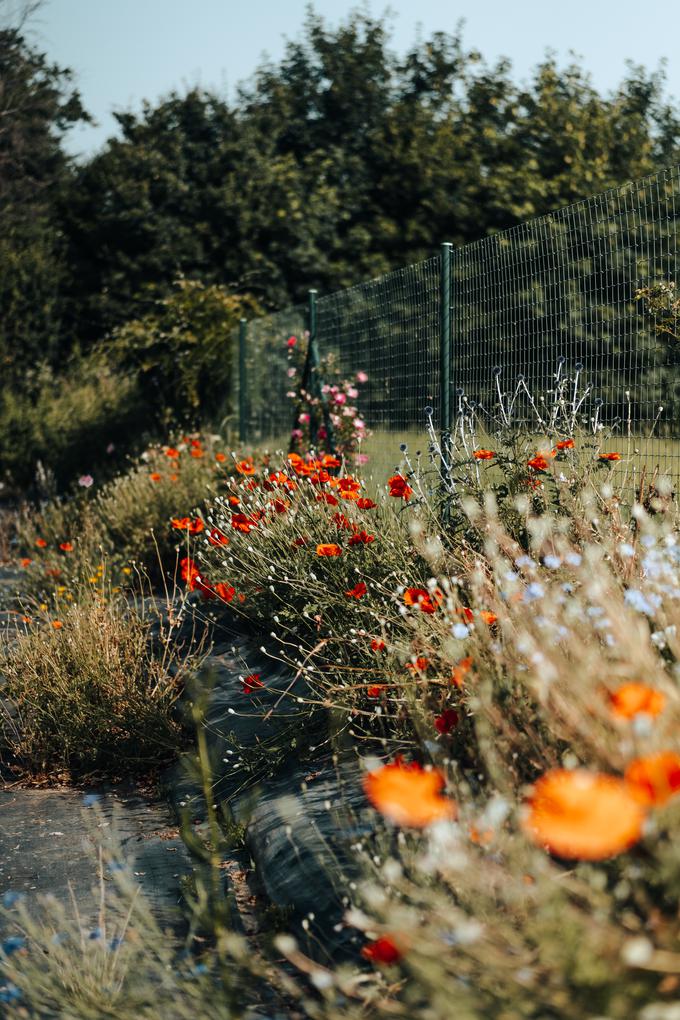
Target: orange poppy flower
x=610 y=456
x=487 y=617
x=375 y=690
x=328 y=549
x=246 y=466
x=364 y=503
x=251 y=683
x=565 y=444
x=399 y=487
x=172 y=452
x=330 y=461
x=460 y=671
x=66 y=547
x=584 y=815
x=53 y=572
x=357 y=592
x=224 y=591
x=220 y=457
x=655 y=778
x=41 y=543
x=633 y=698
x=383 y=950
x=408 y=795
x=25 y=561
x=234 y=501
x=196 y=453
x=57 y=624
x=155 y=477
x=217 y=538
x=378 y=645
x=173 y=478
x=420 y=597
x=420 y=665
x=483 y=454
x=538 y=463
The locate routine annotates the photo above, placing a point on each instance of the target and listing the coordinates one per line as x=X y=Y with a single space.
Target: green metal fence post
x=242 y=382
x=445 y=343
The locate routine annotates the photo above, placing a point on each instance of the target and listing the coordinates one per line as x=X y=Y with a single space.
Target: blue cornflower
x=11 y=944
x=90 y=799
x=10 y=898
x=9 y=992
x=553 y=562
x=96 y=933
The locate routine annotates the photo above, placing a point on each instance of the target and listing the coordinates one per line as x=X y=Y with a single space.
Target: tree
x=37 y=104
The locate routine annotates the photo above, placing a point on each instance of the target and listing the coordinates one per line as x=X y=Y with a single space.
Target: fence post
x=445 y=342
x=242 y=381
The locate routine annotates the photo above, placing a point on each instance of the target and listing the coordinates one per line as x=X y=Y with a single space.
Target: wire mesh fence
x=560 y=290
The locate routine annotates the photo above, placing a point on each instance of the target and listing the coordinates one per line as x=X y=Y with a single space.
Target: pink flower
x=292 y=340
x=347 y=412
x=336 y=419
x=322 y=434
x=352 y=392
x=361 y=458
x=340 y=398
x=325 y=388
x=290 y=372
x=304 y=419
x=86 y=481
x=359 y=424
x=362 y=377
x=291 y=394
x=296 y=433
x=111 y=447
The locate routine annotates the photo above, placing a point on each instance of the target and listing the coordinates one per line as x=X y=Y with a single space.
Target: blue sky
x=126 y=50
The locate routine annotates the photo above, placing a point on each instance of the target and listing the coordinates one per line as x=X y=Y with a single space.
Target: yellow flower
x=43 y=607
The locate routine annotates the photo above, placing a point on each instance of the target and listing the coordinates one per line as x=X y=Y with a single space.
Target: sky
x=124 y=51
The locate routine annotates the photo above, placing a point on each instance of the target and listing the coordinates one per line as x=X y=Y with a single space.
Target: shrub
x=87 y=695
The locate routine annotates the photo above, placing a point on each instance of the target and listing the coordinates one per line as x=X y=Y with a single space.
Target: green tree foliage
x=345 y=160
x=37 y=104
x=181 y=351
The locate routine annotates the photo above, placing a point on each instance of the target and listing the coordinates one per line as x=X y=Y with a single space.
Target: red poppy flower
x=357 y=592
x=280 y=505
x=319 y=477
x=224 y=591
x=446 y=722
x=364 y=503
x=466 y=613
x=300 y=542
x=342 y=521
x=241 y=522
x=217 y=538
x=195 y=443
x=349 y=484
x=378 y=645
x=66 y=547
x=41 y=543
x=383 y=950
x=375 y=690
x=565 y=444
x=538 y=463
x=53 y=572
x=245 y=467
x=330 y=461
x=483 y=454
x=251 y=683
x=326 y=497
x=610 y=456
x=189 y=572
x=361 y=538
x=171 y=452
x=399 y=487
x=328 y=549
